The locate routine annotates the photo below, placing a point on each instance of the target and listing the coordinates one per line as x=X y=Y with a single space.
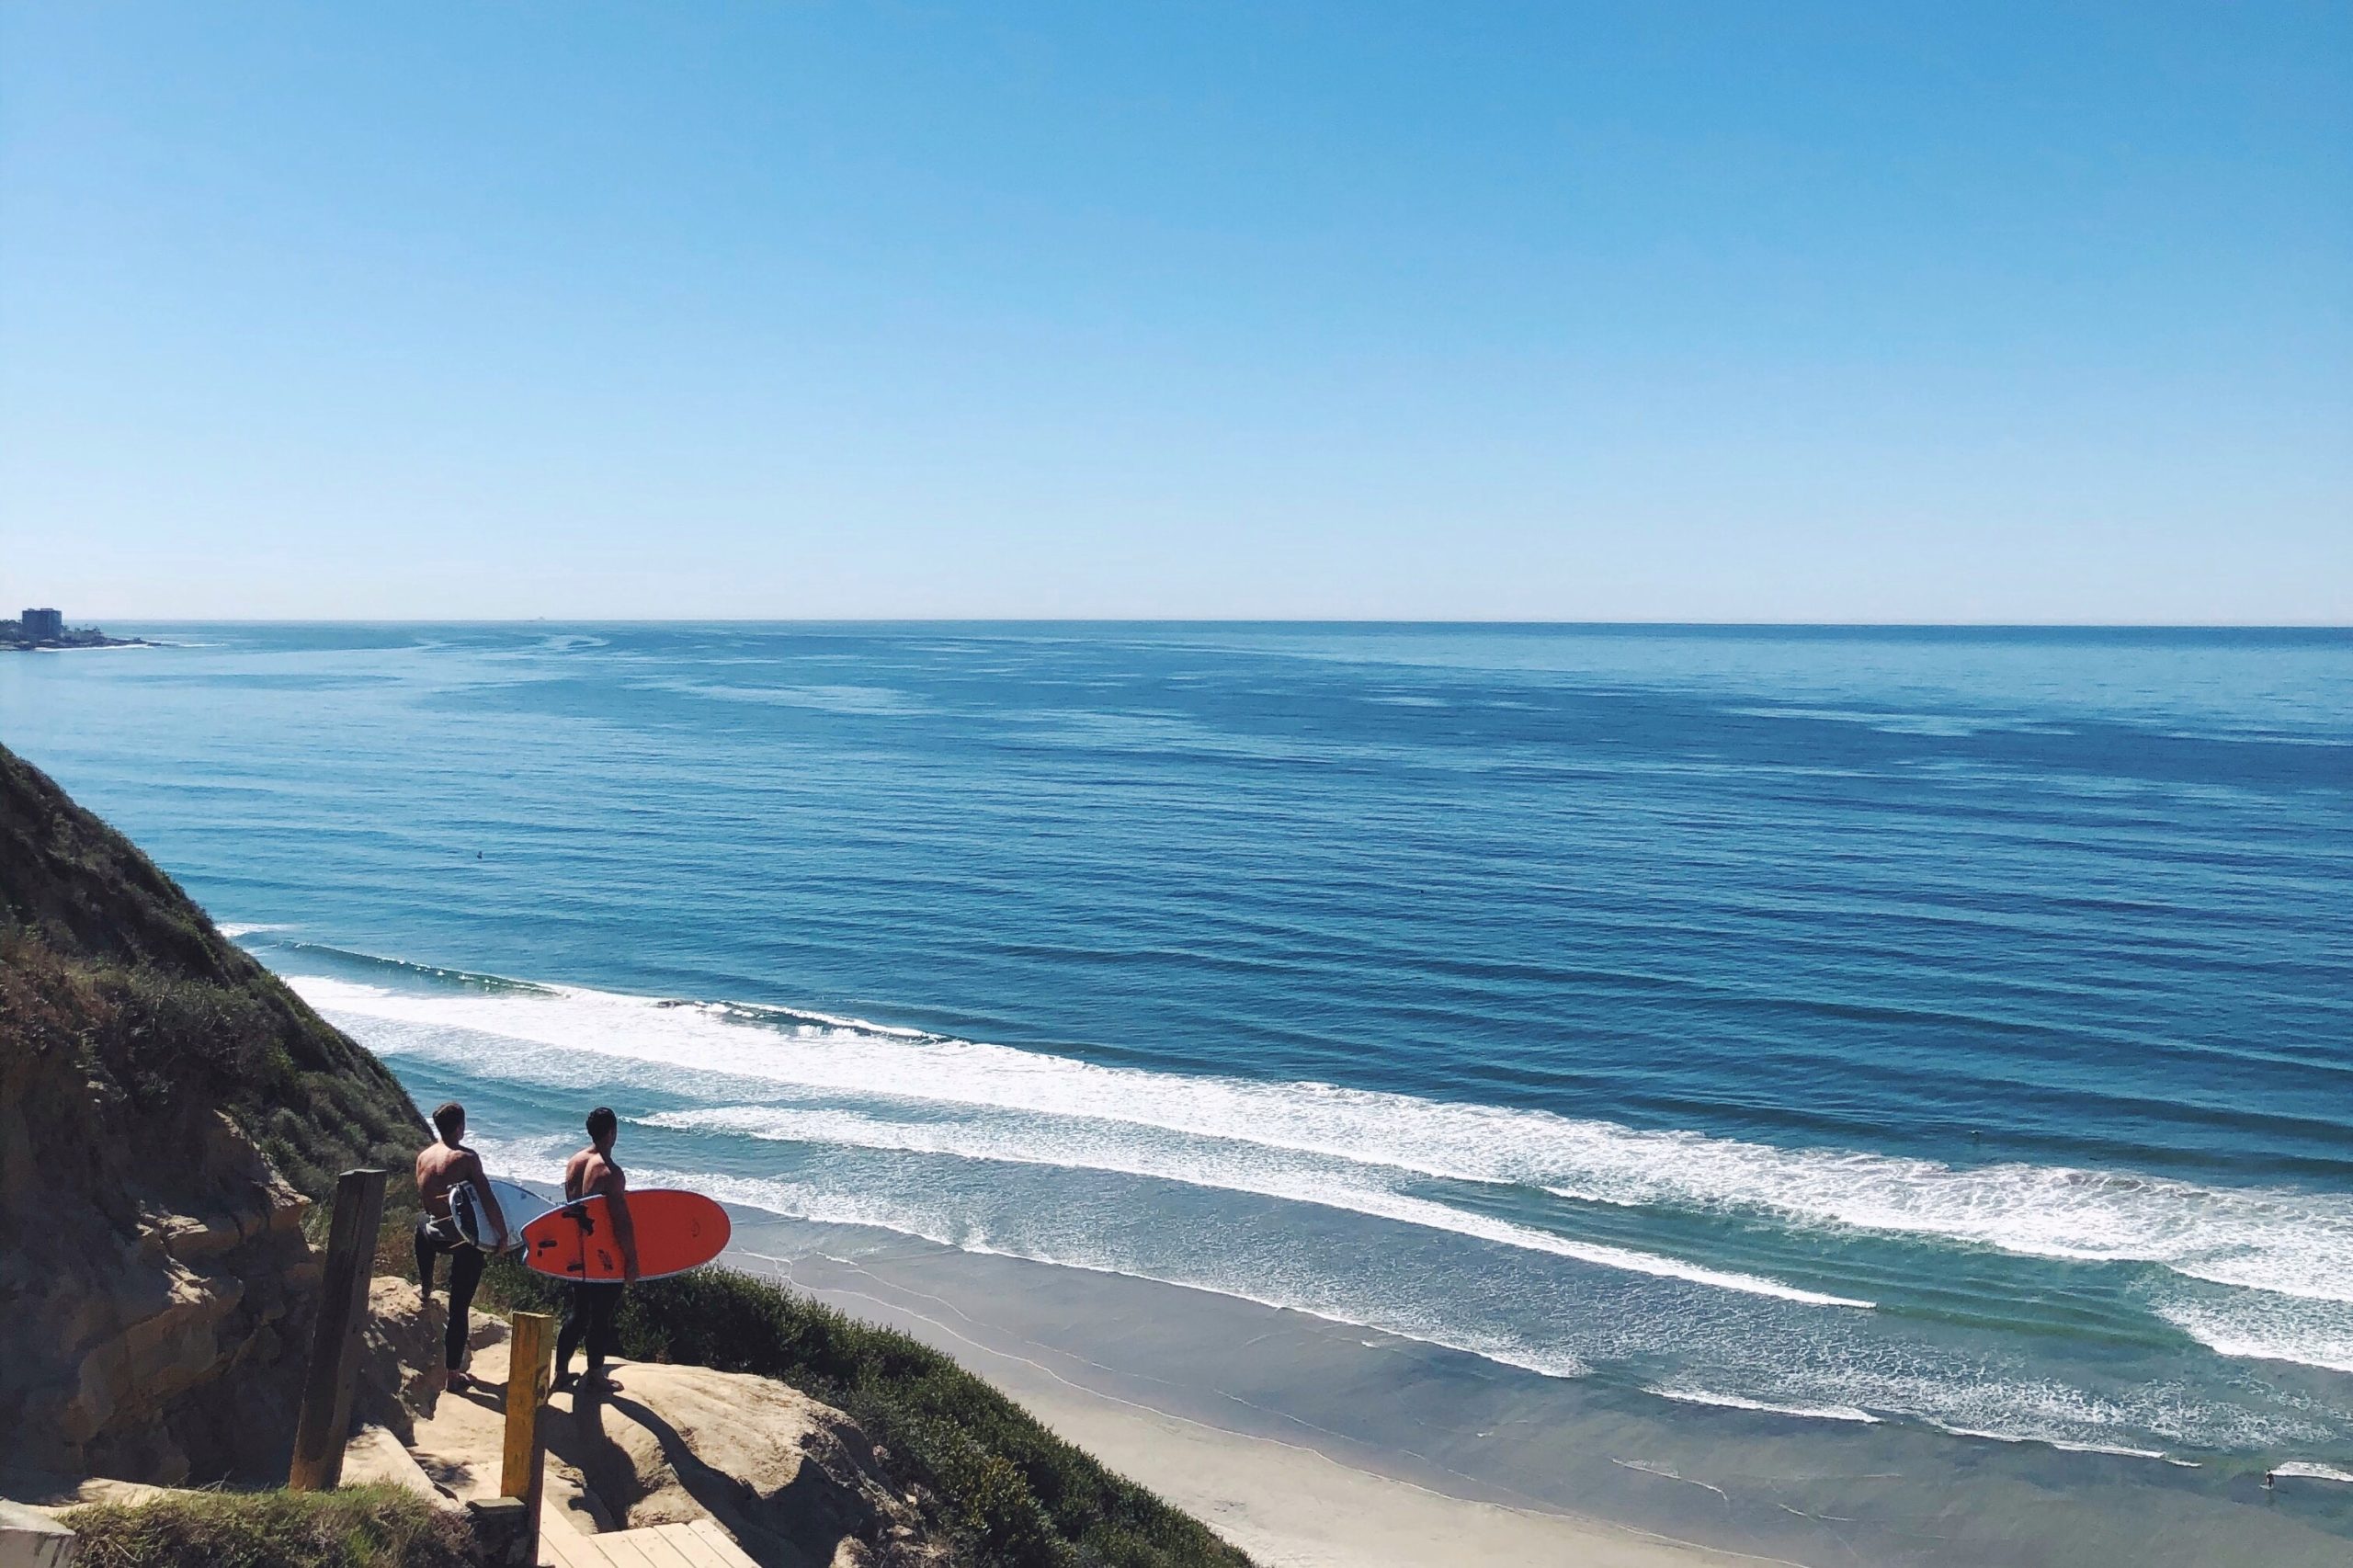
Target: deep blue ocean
x=1945 y=1027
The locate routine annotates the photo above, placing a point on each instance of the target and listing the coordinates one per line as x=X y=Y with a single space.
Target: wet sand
x=1310 y=1442
x=1291 y=1507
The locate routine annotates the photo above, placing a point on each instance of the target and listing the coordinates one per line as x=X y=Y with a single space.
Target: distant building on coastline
x=47 y=629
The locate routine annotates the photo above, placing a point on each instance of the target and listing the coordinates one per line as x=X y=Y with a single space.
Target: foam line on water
x=2267 y=1328
x=2068 y=1445
x=2312 y=1470
x=542 y=1160
x=1059 y=1144
x=1740 y=1402
x=2282 y=1240
x=1960 y=1395
x=1199 y=1163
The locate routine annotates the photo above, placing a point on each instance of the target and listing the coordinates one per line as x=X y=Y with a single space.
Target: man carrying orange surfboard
x=592 y=1173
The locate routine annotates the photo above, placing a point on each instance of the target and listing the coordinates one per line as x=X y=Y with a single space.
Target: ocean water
x=1948 y=1027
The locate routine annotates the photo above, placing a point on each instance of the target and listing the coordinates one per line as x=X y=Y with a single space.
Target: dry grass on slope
x=358 y=1527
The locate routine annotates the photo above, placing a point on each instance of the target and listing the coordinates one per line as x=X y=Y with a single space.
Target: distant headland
x=47 y=629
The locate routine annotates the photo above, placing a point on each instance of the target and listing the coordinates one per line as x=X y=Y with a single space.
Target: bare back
x=590 y=1172
x=440 y=1168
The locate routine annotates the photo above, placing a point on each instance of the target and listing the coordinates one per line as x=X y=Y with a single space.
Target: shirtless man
x=441 y=1167
x=593 y=1302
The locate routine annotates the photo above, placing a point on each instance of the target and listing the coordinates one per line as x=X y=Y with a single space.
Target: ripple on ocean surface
x=1623 y=1003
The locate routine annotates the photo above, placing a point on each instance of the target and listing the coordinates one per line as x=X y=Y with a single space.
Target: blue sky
x=1872 y=312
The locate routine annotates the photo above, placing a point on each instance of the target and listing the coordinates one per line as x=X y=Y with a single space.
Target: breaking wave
x=2282 y=1259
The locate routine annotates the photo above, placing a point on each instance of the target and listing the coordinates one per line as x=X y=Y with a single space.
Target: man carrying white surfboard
x=441 y=1168
x=592 y=1174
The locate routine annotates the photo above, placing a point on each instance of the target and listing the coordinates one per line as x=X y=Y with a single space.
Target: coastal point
x=45 y=629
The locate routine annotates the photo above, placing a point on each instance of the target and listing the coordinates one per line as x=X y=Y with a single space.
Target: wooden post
x=530 y=1370
x=325 y=1418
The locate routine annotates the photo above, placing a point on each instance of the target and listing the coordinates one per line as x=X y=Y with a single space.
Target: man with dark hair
x=444 y=1165
x=590 y=1313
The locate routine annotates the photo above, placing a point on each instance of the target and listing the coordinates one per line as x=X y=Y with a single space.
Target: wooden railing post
x=530 y=1370
x=325 y=1417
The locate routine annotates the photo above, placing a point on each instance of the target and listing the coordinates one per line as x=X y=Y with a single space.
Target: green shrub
x=114 y=987
x=359 y=1527
x=1012 y=1494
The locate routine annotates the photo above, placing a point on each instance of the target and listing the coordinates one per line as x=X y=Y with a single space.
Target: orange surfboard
x=675 y=1231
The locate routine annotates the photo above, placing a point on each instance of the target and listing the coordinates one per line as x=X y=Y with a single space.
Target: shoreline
x=1289 y=1504
x=1311 y=1443
x=1292 y=1505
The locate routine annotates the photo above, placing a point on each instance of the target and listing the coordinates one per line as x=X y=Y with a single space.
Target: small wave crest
x=2067 y=1445
x=2312 y=1470
x=400 y=971
x=1739 y=1401
x=2267 y=1328
x=1235 y=1167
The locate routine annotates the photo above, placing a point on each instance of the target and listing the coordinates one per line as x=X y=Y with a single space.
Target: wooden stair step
x=700 y=1544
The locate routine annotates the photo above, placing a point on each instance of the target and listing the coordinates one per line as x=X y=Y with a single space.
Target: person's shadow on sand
x=586 y=1445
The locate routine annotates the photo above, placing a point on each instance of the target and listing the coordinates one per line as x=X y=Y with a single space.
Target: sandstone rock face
x=164 y=1101
x=795 y=1482
x=134 y=1346
x=400 y=1356
x=374 y=1456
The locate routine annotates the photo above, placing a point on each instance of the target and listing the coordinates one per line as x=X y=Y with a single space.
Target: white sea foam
x=2266 y=1327
x=232 y=929
x=2289 y=1243
x=2278 y=1241
x=2119 y=1449
x=2004 y=1400
x=2312 y=1470
x=1223 y=1164
x=1738 y=1402
x=1818 y=1370
x=801 y=1200
x=1054 y=1139
x=2069 y=1445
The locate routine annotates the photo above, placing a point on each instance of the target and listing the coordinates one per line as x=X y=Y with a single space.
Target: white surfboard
x=519 y=1205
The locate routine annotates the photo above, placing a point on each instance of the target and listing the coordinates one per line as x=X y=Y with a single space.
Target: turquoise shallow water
x=1943 y=1028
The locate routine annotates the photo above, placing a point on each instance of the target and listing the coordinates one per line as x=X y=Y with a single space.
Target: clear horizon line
x=1498 y=622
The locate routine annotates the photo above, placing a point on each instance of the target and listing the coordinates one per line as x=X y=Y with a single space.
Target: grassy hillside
x=107 y=964
x=1007 y=1491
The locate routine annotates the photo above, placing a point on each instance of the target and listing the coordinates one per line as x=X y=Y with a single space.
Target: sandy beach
x=1291 y=1507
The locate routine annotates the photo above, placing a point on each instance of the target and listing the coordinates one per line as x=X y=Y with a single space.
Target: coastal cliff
x=168 y=1112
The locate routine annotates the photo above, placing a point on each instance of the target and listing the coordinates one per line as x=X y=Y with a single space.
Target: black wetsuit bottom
x=588 y=1316
x=435 y=1237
